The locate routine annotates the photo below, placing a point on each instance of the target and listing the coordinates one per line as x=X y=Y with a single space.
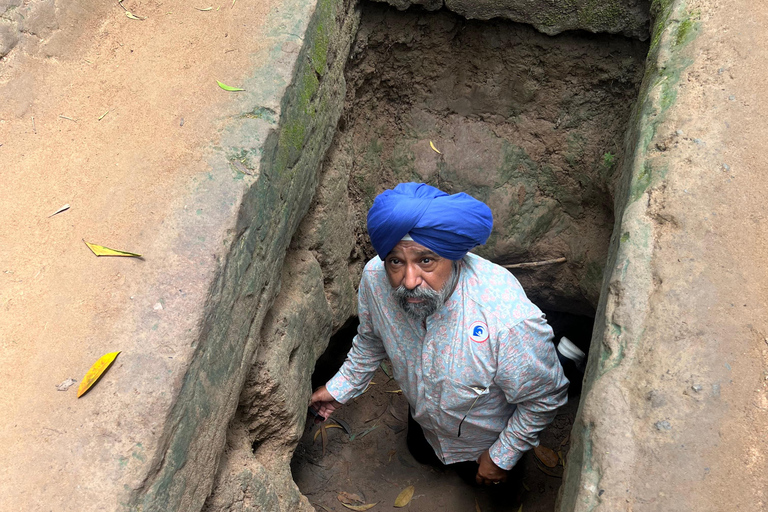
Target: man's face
x=419 y=277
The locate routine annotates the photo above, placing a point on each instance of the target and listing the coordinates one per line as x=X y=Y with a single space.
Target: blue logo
x=478 y=332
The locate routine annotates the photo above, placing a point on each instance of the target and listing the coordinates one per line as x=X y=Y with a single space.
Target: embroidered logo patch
x=478 y=332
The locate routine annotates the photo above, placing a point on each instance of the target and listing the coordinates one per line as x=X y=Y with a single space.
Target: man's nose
x=412 y=277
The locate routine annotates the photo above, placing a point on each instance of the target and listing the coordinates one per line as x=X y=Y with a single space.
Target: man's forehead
x=412 y=247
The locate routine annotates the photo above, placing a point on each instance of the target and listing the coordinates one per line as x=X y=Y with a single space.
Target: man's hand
x=323 y=404
x=489 y=473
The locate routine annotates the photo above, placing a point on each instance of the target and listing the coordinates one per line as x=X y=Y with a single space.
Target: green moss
x=601 y=14
x=325 y=20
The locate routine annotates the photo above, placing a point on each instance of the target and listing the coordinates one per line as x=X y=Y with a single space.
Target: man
x=473 y=356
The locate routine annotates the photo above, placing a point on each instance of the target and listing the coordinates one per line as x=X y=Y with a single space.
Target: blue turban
x=449 y=225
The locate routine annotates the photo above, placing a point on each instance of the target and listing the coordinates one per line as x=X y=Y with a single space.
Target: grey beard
x=431 y=300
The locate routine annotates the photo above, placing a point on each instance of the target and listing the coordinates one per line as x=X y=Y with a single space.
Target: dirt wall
x=528 y=123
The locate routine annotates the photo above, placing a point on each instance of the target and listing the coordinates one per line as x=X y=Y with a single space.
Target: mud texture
x=528 y=123
x=628 y=17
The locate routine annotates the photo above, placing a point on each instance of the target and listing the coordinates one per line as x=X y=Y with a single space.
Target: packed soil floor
x=373 y=463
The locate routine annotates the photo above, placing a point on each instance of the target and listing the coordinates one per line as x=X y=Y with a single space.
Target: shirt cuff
x=504 y=457
x=340 y=388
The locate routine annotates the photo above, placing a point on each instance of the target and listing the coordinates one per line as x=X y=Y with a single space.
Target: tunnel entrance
x=531 y=124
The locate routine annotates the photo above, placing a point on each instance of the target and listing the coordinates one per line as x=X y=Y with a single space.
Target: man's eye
x=394 y=261
x=426 y=260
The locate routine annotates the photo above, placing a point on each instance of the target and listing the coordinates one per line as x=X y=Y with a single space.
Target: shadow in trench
x=373 y=462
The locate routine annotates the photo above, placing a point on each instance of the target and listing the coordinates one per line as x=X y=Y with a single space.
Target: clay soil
x=377 y=465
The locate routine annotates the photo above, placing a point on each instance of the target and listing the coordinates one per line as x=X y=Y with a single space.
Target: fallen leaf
x=477 y=506
x=102 y=115
x=525 y=486
x=133 y=16
x=66 y=384
x=324 y=435
x=241 y=167
x=204 y=9
x=344 y=425
x=363 y=433
x=560 y=456
x=63 y=208
x=547 y=456
x=404 y=497
x=385 y=369
x=100 y=250
x=228 y=88
x=391 y=453
x=434 y=148
x=96 y=371
x=367 y=506
x=521 y=508
x=565 y=441
x=348 y=498
x=398 y=391
x=322 y=427
x=544 y=469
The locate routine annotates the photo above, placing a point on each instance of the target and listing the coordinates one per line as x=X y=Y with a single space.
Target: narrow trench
x=531 y=124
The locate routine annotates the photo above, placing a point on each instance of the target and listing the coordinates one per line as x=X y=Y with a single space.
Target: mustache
x=420 y=292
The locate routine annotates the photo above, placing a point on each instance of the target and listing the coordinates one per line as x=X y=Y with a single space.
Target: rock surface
x=627 y=17
x=675 y=408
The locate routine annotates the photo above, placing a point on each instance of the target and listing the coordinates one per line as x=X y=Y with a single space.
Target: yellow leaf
x=99 y=250
x=404 y=497
x=434 y=148
x=547 y=457
x=96 y=371
x=398 y=391
x=317 y=432
x=133 y=16
x=367 y=506
x=521 y=508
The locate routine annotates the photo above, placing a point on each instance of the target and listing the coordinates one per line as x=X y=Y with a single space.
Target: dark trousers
x=424 y=454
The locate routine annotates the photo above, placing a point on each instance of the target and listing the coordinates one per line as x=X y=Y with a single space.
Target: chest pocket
x=460 y=398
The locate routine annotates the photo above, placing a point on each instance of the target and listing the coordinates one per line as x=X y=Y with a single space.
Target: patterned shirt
x=487 y=354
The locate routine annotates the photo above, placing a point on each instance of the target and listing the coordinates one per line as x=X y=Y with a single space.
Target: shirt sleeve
x=364 y=357
x=532 y=378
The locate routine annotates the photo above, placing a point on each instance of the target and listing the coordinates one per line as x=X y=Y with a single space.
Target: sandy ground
x=111 y=116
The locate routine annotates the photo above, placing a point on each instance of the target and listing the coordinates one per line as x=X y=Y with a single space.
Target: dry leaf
x=398 y=391
x=322 y=427
x=404 y=497
x=133 y=16
x=544 y=469
x=434 y=148
x=565 y=441
x=349 y=499
x=560 y=456
x=63 y=208
x=66 y=384
x=96 y=371
x=477 y=506
x=100 y=250
x=324 y=435
x=521 y=508
x=204 y=8
x=548 y=457
x=367 y=506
